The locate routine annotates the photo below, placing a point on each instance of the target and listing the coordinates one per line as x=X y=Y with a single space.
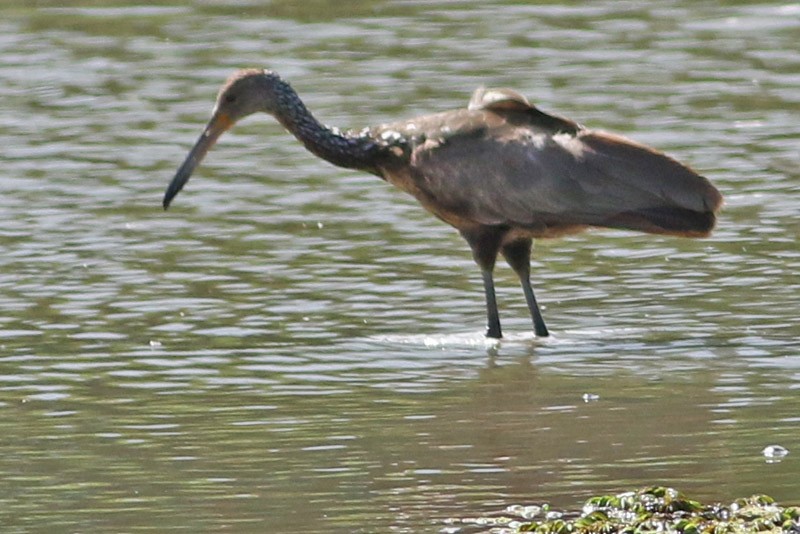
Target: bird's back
x=504 y=162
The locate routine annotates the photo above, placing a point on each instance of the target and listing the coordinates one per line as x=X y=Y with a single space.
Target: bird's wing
x=521 y=170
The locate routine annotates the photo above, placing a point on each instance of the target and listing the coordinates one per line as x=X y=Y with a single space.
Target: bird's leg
x=518 y=256
x=492 y=316
x=485 y=244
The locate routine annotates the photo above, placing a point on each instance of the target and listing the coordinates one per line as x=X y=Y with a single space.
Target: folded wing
x=520 y=167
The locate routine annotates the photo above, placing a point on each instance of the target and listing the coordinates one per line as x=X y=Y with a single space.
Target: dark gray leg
x=485 y=244
x=492 y=317
x=538 y=321
x=518 y=256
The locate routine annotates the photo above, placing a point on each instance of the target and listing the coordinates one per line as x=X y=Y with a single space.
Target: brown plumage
x=500 y=171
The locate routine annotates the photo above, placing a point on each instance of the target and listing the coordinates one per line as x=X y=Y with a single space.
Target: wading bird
x=501 y=171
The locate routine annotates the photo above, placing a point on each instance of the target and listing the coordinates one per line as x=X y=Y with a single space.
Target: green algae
x=666 y=510
x=653 y=510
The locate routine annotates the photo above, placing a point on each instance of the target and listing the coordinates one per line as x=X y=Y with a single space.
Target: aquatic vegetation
x=660 y=509
x=652 y=510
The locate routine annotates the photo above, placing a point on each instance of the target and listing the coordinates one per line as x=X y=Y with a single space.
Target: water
x=297 y=348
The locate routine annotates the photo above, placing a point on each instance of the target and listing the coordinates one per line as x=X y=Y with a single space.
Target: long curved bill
x=219 y=123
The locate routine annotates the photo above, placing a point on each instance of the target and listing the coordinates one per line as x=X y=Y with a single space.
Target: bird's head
x=246 y=92
x=249 y=91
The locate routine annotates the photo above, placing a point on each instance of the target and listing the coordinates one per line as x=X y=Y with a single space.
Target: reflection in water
x=298 y=348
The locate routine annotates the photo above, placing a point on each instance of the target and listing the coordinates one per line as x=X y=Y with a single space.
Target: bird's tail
x=666 y=220
x=666 y=196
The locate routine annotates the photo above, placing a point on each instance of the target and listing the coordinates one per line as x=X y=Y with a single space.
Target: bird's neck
x=344 y=149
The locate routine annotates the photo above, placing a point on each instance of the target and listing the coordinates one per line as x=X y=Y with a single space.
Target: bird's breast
x=410 y=182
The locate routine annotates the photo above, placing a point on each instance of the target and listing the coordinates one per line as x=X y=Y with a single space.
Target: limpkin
x=501 y=171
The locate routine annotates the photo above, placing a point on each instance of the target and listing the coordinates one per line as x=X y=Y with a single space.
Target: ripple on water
x=290 y=303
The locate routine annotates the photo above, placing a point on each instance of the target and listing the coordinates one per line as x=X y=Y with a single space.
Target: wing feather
x=522 y=177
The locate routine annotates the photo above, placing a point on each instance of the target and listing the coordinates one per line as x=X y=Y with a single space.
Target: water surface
x=297 y=348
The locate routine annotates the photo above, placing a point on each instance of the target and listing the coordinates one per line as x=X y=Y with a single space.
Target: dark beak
x=219 y=123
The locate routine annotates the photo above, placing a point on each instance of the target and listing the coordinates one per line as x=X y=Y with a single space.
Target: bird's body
x=501 y=171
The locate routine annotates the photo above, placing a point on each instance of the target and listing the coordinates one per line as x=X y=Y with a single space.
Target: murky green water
x=297 y=348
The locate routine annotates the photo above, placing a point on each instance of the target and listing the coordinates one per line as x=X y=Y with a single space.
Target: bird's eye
x=230 y=98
